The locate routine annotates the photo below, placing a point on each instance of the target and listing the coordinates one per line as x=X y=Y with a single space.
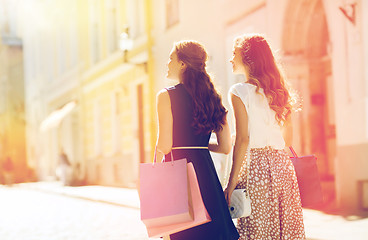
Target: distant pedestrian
x=8 y=168
x=77 y=178
x=187 y=115
x=262 y=108
x=64 y=170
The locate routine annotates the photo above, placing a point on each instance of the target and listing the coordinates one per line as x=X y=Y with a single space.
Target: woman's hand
x=228 y=191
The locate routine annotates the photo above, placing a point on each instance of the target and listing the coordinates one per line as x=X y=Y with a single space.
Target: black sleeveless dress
x=221 y=227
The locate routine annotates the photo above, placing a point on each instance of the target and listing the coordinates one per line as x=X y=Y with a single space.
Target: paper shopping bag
x=308 y=179
x=201 y=215
x=164 y=193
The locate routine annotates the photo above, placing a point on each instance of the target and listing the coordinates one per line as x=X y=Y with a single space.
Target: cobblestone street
x=30 y=215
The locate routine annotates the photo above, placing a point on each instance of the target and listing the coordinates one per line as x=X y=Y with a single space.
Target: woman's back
x=184 y=134
x=187 y=114
x=263 y=128
x=268 y=174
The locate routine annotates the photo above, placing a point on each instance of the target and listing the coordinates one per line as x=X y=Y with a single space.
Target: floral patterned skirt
x=273 y=189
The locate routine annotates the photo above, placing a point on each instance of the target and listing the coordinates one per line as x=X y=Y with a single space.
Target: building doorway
x=140 y=116
x=306 y=47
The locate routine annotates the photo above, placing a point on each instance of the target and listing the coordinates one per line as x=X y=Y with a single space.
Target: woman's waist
x=197 y=147
x=276 y=143
x=267 y=148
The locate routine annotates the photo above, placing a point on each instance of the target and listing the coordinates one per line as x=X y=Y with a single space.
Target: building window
x=172 y=12
x=49 y=58
x=3 y=93
x=115 y=116
x=73 y=37
x=74 y=47
x=61 y=46
x=95 y=43
x=36 y=59
x=112 y=28
x=136 y=17
x=32 y=58
x=97 y=127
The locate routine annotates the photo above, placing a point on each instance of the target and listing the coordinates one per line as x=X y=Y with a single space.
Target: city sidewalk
x=118 y=196
x=318 y=225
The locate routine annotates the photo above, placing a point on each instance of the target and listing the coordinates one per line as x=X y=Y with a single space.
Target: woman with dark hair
x=262 y=108
x=187 y=115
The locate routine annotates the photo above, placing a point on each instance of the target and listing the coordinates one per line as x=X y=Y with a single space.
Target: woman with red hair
x=262 y=108
x=187 y=115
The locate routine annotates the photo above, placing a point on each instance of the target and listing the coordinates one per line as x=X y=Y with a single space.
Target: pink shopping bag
x=164 y=193
x=201 y=215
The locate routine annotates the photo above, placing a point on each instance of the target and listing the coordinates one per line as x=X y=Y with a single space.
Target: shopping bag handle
x=155 y=157
x=293 y=152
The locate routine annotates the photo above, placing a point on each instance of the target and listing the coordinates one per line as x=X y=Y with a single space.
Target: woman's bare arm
x=288 y=132
x=241 y=143
x=165 y=124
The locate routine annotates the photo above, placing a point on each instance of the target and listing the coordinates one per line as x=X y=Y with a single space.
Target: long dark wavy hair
x=265 y=73
x=208 y=111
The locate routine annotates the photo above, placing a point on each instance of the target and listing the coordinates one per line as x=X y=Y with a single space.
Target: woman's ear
x=182 y=65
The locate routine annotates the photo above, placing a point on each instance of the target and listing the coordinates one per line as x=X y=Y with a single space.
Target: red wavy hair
x=209 y=114
x=265 y=73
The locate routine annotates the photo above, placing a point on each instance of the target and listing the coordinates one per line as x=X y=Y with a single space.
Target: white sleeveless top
x=263 y=128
